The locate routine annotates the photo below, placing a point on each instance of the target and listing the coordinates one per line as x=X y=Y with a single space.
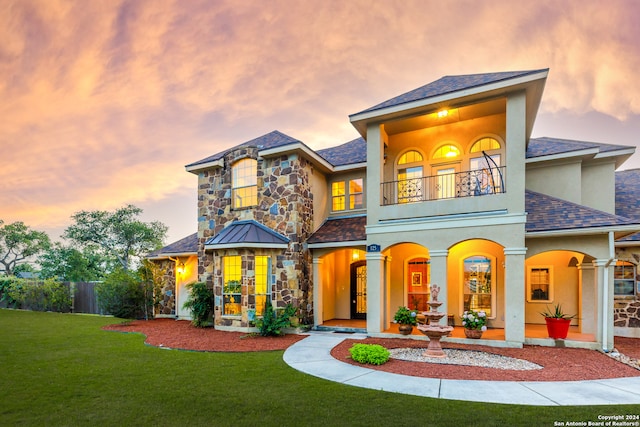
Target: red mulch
x=181 y=334
x=559 y=364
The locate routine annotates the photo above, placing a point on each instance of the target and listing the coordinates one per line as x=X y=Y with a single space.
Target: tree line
x=105 y=246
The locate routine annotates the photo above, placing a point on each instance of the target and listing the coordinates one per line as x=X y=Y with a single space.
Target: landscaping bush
x=122 y=294
x=272 y=323
x=373 y=354
x=37 y=295
x=200 y=303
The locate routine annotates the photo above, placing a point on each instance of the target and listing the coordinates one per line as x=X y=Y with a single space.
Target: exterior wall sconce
x=180 y=268
x=355 y=255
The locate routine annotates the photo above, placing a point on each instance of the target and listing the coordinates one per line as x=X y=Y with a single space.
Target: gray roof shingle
x=270 y=140
x=448 y=84
x=346 y=154
x=347 y=229
x=539 y=147
x=547 y=213
x=186 y=245
x=628 y=198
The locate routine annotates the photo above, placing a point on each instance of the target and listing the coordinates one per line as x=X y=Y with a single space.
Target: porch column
x=318 y=309
x=514 y=294
x=604 y=303
x=376 y=287
x=438 y=262
x=587 y=300
x=386 y=321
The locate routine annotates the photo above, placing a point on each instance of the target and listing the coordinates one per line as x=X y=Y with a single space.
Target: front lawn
x=61 y=369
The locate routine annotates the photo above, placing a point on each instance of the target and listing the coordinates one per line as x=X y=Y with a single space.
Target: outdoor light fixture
x=355 y=255
x=443 y=113
x=180 y=268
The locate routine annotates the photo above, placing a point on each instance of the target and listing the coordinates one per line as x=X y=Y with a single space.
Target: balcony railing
x=446 y=186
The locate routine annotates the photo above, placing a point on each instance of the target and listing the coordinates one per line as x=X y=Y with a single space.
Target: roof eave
x=360 y=120
x=167 y=255
x=344 y=244
x=589 y=152
x=247 y=245
x=619 y=230
x=621 y=155
x=298 y=146
x=197 y=168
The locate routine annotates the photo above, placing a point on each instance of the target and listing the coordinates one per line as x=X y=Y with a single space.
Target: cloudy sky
x=102 y=103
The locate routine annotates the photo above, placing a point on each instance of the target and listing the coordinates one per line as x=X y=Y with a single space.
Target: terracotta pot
x=405 y=329
x=473 y=333
x=557 y=328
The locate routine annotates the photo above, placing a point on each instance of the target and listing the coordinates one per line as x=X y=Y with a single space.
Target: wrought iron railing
x=446 y=186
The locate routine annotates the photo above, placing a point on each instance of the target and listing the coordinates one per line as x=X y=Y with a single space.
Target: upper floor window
x=446 y=151
x=347 y=194
x=245 y=183
x=624 y=279
x=485 y=144
x=412 y=156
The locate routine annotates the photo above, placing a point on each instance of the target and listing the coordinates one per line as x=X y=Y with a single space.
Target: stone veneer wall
x=167 y=305
x=285 y=205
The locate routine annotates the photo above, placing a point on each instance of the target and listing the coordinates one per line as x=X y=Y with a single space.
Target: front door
x=359 y=290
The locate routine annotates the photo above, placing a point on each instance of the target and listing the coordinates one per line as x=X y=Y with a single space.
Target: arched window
x=446 y=151
x=245 y=183
x=411 y=156
x=410 y=181
x=485 y=144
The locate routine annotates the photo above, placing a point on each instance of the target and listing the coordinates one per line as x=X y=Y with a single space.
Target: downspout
x=605 y=294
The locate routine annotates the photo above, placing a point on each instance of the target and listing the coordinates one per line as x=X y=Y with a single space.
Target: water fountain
x=432 y=329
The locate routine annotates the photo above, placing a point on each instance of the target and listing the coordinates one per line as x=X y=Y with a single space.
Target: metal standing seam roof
x=247 y=233
x=449 y=84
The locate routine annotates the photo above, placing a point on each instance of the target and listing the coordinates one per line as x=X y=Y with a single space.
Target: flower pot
x=473 y=333
x=405 y=329
x=557 y=328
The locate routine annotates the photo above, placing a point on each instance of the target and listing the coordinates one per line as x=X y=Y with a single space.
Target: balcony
x=473 y=183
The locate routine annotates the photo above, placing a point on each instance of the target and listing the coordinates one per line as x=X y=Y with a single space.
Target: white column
x=588 y=296
x=318 y=308
x=376 y=287
x=386 y=304
x=604 y=303
x=438 y=264
x=514 y=294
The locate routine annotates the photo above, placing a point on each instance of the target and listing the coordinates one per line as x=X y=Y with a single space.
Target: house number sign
x=373 y=248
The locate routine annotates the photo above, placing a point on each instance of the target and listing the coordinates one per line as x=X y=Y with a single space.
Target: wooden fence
x=83 y=296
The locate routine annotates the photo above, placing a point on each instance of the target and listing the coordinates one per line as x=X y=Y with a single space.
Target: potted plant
x=557 y=322
x=406 y=319
x=474 y=322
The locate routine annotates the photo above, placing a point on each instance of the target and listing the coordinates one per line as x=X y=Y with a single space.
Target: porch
x=494 y=337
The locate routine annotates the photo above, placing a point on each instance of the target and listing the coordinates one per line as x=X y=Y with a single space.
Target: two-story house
x=444 y=186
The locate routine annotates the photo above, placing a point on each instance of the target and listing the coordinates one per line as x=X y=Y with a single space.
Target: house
x=444 y=185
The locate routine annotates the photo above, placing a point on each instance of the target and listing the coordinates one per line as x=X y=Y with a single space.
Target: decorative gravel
x=465 y=357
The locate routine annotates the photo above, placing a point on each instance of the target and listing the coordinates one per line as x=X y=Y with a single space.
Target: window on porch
x=478 y=284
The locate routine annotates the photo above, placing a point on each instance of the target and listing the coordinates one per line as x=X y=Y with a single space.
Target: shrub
x=122 y=295
x=38 y=295
x=200 y=303
x=272 y=323
x=373 y=354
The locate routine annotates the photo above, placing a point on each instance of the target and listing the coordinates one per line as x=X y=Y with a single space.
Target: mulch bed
x=559 y=364
x=181 y=334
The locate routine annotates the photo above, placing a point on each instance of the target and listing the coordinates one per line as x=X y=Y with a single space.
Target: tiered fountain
x=434 y=330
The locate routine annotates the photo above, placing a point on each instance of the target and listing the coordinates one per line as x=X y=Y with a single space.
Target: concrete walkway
x=312 y=356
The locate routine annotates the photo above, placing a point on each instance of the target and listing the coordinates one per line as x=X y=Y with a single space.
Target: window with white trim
x=245 y=183
x=540 y=284
x=479 y=285
x=624 y=279
x=347 y=195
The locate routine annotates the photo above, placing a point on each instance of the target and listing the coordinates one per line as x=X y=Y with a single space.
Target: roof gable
x=450 y=84
x=272 y=139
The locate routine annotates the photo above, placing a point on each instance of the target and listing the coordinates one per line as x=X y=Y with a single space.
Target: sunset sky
x=104 y=102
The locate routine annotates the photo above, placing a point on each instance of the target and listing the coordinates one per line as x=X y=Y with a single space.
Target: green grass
x=60 y=369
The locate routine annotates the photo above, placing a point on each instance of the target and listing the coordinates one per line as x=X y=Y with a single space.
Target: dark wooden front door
x=359 y=290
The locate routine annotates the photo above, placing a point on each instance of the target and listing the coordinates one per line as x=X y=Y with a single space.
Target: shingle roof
x=545 y=146
x=271 y=140
x=628 y=198
x=547 y=213
x=186 y=245
x=346 y=229
x=346 y=154
x=448 y=84
x=246 y=233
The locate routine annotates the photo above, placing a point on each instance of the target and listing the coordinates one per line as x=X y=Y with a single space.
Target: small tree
x=153 y=280
x=19 y=242
x=122 y=295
